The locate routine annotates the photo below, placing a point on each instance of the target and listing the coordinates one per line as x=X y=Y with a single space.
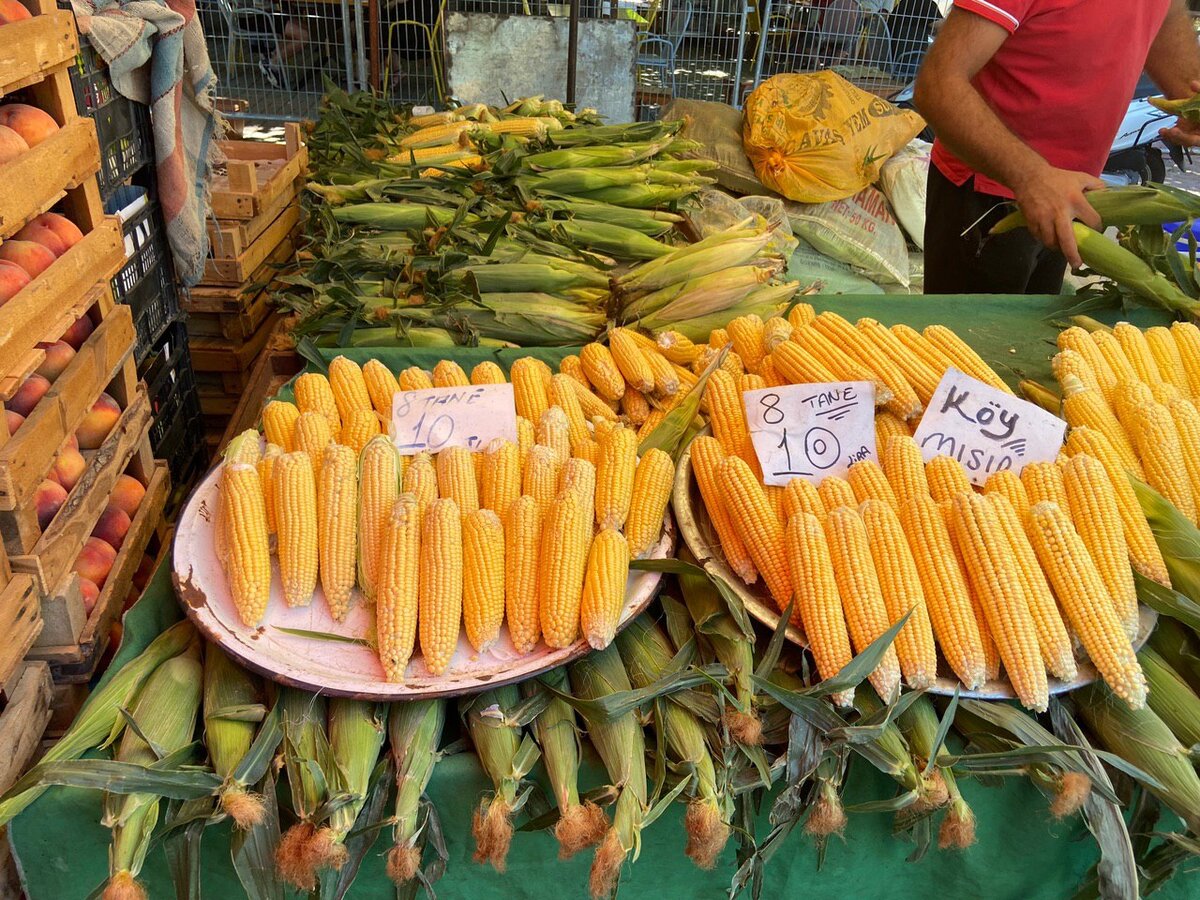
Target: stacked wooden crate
x=45 y=528
x=231 y=316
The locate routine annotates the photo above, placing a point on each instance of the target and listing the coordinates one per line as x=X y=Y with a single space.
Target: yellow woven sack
x=816 y=137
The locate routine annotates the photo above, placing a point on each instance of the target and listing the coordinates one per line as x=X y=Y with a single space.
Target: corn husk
x=394 y=216
x=625 y=243
x=1148 y=204
x=701 y=296
x=588 y=157
x=1171 y=699
x=607 y=135
x=648 y=222
x=579 y=825
x=414 y=732
x=699 y=327
x=920 y=726
x=356 y=732
x=646 y=196
x=894 y=757
x=165 y=713
x=717 y=252
x=1107 y=258
x=233 y=705
x=1178 y=648
x=308 y=759
x=531 y=276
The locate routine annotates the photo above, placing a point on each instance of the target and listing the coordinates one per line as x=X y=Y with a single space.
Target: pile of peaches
x=33 y=249
x=95 y=560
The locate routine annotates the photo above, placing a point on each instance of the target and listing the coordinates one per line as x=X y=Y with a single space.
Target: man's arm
x=1174 y=64
x=1050 y=198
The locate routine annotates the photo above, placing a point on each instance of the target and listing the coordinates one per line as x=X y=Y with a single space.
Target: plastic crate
x=176 y=429
x=147 y=281
x=122 y=126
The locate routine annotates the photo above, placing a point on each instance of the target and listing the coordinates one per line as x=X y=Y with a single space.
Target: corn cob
x=356 y=732
x=1137 y=351
x=228 y=737
x=946 y=478
x=757 y=525
x=487 y=372
x=522 y=544
x=414 y=732
x=266 y=466
x=834 y=492
x=853 y=343
x=483 y=577
x=1187 y=340
x=1081 y=592
x=381 y=386
x=1166 y=357
x=500 y=482
x=776 y=330
x=1126 y=398
x=447 y=373
x=901 y=460
x=553 y=431
x=358 y=427
x=456 y=479
x=921 y=347
x=1070 y=363
x=1166 y=393
x=296 y=502
x=678 y=348
x=799 y=495
x=1187 y=426
x=1079 y=341
x=615 y=469
x=868 y=482
x=746 y=333
x=314 y=394
x=841 y=364
x=653 y=420
x=947 y=594
x=818 y=606
x=604 y=587
x=601 y=370
x=1007 y=484
x=962 y=357
x=630 y=361
x=882 y=343
x=349 y=387
x=420 y=480
x=801 y=314
x=561 y=566
x=707 y=458
x=440 y=590
x=279 y=424
x=1053 y=640
x=1086 y=409
x=563 y=396
x=1110 y=348
x=1043 y=482
x=541 y=476
x=337 y=510
x=529 y=389
x=397 y=586
x=249 y=556
x=993 y=572
x=635 y=407
x=652 y=482
x=524 y=438
x=727 y=416
x=414 y=378
x=312 y=437
x=1162 y=457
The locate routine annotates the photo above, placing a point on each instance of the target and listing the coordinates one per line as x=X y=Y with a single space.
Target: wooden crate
x=221 y=356
x=37 y=48
x=40 y=178
x=23 y=721
x=256 y=174
x=230 y=238
x=275 y=367
x=76 y=662
x=241 y=268
x=20 y=623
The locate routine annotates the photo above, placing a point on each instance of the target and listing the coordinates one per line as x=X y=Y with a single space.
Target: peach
x=96 y=560
x=68 y=468
x=12 y=144
x=48 y=500
x=98 y=422
x=33 y=258
x=58 y=357
x=31 y=123
x=66 y=230
x=70 y=442
x=145 y=571
x=13 y=420
x=116 y=634
x=12 y=11
x=127 y=495
x=32 y=390
x=112 y=526
x=78 y=332
x=12 y=279
x=91 y=593
x=40 y=234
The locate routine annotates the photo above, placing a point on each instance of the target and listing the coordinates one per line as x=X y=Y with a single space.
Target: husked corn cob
x=962 y=357
x=757 y=525
x=798 y=366
x=312 y=437
x=440 y=588
x=448 y=373
x=1086 y=409
x=853 y=343
x=579 y=475
x=1137 y=351
x=904 y=467
x=1166 y=357
x=868 y=482
x=770 y=375
x=1161 y=454
x=248 y=565
x=946 y=478
x=614 y=477
x=500 y=484
x=279 y=424
x=991 y=653
x=349 y=386
x=456 y=479
x=1187 y=340
x=487 y=372
x=438 y=135
x=483 y=577
x=1081 y=592
x=604 y=587
x=337 y=528
x=993 y=572
x=397 y=587
x=1079 y=341
x=381 y=386
x=652 y=482
x=295 y=496
x=561 y=566
x=1097 y=519
x=1070 y=362
x=1110 y=348
x=572 y=366
x=379 y=486
x=522 y=545
x=1126 y=398
x=916 y=371
x=678 y=348
x=902 y=592
x=359 y=426
x=540 y=477
x=707 y=458
x=420 y=480
x=635 y=407
x=747 y=333
x=529 y=388
x=589 y=450
x=862 y=604
x=750 y=382
x=818 y=605
x=776 y=330
x=553 y=431
x=525 y=438
x=1043 y=482
x=1187 y=425
x=601 y=370
x=947 y=595
x=1166 y=393
x=563 y=396
x=834 y=492
x=841 y=364
x=593 y=406
x=922 y=348
x=726 y=414
x=652 y=421
x=1053 y=640
x=801 y=314
x=414 y=378
x=666 y=382
x=888 y=426
x=265 y=466
x=630 y=361
x=799 y=496
x=1008 y=484
x=314 y=394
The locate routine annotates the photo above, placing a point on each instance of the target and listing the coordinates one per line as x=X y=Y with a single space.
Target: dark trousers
x=972 y=262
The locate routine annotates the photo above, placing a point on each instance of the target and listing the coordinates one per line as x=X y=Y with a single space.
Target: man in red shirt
x=1025 y=97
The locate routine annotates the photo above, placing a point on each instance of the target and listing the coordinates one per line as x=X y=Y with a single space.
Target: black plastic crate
x=147 y=280
x=122 y=126
x=176 y=429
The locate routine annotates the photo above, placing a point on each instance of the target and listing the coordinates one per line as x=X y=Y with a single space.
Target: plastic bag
x=816 y=137
x=902 y=179
x=858 y=230
x=810 y=266
x=717 y=211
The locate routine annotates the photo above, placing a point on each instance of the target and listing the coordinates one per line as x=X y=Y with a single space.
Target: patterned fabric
x=178 y=85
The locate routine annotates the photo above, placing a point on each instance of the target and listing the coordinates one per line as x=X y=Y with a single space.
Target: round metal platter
x=347 y=666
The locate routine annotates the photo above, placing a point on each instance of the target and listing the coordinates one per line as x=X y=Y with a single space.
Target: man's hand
x=1185 y=132
x=1050 y=199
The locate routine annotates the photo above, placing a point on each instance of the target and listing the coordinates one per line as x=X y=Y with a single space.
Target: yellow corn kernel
x=561 y=566
x=858 y=586
x=1187 y=341
x=727 y=416
x=448 y=373
x=835 y=492
x=1087 y=409
x=595 y=407
x=1187 y=425
x=901 y=460
x=312 y=437
x=707 y=458
x=271 y=453
x=718 y=338
x=1126 y=397
x=540 y=476
x=500 y=484
x=946 y=478
x=588 y=450
x=757 y=525
x=769 y=374
x=747 y=333
x=1071 y=363
x=635 y=407
x=677 y=348
x=440 y=588
x=579 y=475
x=1079 y=341
x=604 y=587
x=991 y=653
x=358 y=427
x=666 y=382
x=801 y=314
x=841 y=364
x=572 y=366
x=1043 y=482
x=1137 y=351
x=630 y=361
x=487 y=372
x=920 y=346
x=776 y=330
x=414 y=378
x=398 y=589
x=993 y=572
x=1008 y=484
x=902 y=592
x=963 y=357
x=337 y=528
x=529 y=388
x=868 y=482
x=1166 y=394
x=378 y=486
x=279 y=424
x=1109 y=348
x=381 y=386
x=248 y=565
x=750 y=382
x=563 y=396
x=553 y=431
x=1162 y=457
x=1080 y=590
x=799 y=495
x=916 y=371
x=888 y=426
x=601 y=370
x=651 y=491
x=420 y=480
x=483 y=578
x=313 y=394
x=525 y=438
x=349 y=386
x=614 y=477
x=295 y=496
x=456 y=479
x=904 y=402
x=522 y=544
x=1167 y=359
x=818 y=605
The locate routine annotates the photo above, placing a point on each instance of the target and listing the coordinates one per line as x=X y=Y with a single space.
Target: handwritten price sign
x=811 y=430
x=985 y=429
x=436 y=418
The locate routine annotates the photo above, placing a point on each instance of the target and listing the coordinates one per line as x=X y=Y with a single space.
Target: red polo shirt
x=1063 y=79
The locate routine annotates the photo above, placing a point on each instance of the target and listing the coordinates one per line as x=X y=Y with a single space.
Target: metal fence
x=274 y=56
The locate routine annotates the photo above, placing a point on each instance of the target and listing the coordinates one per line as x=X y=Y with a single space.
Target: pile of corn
x=536 y=534
x=979 y=575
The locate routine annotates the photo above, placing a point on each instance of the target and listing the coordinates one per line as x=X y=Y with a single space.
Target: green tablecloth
x=1021 y=853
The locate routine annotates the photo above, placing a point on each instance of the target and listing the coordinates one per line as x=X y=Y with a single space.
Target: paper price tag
x=985 y=429
x=811 y=430
x=436 y=418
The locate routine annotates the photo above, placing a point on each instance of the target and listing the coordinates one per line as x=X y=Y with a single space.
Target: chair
x=252 y=24
x=658 y=51
x=432 y=35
